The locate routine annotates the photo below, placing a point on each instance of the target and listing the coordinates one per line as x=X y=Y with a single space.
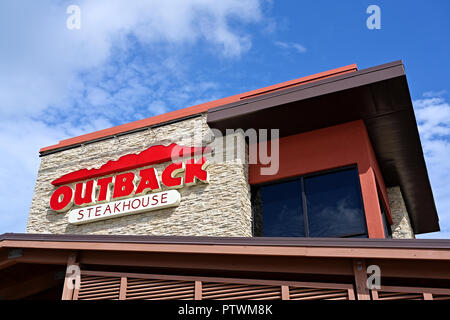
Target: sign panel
x=154 y=201
x=108 y=191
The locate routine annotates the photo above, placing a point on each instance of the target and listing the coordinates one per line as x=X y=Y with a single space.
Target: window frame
x=301 y=178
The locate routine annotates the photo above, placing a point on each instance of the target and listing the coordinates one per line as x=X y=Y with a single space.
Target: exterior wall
x=329 y=148
x=401 y=227
x=220 y=208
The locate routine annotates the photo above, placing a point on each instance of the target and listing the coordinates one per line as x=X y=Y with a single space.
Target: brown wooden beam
x=359 y=269
x=70 y=286
x=123 y=288
x=413 y=269
x=198 y=290
x=5 y=261
x=42 y=256
x=220 y=262
x=285 y=292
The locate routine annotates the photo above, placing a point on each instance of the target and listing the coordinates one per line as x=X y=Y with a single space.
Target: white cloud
x=158 y=107
x=41 y=62
x=299 y=47
x=19 y=144
x=125 y=63
x=433 y=117
x=291 y=45
x=432 y=94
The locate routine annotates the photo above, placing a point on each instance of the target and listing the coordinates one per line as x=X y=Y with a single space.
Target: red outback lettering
x=123 y=185
x=61 y=199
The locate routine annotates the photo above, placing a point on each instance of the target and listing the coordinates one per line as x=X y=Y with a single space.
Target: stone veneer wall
x=401 y=228
x=220 y=208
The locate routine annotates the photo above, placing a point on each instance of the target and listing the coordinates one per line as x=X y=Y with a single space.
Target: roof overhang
x=428 y=249
x=299 y=262
x=380 y=97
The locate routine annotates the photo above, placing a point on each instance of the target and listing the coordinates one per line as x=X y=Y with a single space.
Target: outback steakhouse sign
x=110 y=192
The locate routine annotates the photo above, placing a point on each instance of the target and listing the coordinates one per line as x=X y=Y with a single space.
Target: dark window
x=282 y=208
x=334 y=204
x=321 y=205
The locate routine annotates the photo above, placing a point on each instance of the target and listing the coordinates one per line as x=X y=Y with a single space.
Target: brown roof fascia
x=324 y=250
x=234 y=241
x=310 y=90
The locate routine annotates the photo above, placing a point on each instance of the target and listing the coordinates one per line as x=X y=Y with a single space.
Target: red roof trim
x=185 y=112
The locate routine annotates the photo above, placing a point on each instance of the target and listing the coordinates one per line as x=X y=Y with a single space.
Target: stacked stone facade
x=401 y=227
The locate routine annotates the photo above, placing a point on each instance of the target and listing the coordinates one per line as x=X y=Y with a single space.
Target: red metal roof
x=189 y=111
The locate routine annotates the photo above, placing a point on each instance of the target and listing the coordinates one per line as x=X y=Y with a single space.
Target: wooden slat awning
x=145 y=267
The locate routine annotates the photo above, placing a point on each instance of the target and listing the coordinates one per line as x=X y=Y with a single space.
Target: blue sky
x=135 y=59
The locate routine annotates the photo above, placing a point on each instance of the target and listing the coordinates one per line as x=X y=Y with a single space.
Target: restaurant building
x=303 y=190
